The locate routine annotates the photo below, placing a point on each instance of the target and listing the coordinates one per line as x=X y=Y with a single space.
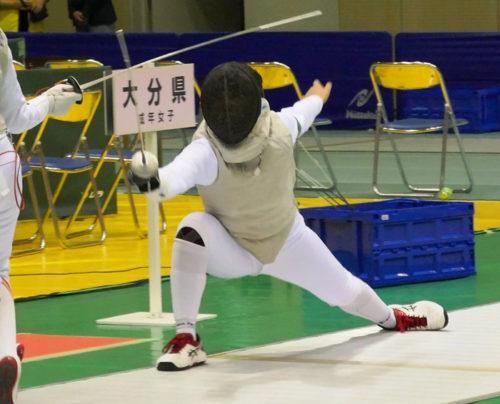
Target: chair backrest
x=276 y=75
x=406 y=76
x=18 y=65
x=83 y=112
x=197 y=87
x=72 y=63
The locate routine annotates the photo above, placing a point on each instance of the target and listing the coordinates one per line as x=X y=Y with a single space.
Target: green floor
x=254 y=311
x=251 y=311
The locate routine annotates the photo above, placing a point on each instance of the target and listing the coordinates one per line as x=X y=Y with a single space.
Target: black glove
x=144 y=184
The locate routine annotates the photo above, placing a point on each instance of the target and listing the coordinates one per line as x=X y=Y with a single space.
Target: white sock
x=187 y=282
x=7 y=320
x=368 y=305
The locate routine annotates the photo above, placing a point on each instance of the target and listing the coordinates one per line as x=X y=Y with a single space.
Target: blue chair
x=115 y=152
x=404 y=76
x=81 y=115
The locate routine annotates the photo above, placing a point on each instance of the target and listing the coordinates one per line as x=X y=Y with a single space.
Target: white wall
x=258 y=12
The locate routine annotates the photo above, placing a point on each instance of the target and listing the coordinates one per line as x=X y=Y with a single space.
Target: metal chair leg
x=62 y=237
x=329 y=169
x=39 y=234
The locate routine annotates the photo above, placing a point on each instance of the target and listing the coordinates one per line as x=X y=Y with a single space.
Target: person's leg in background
x=10 y=366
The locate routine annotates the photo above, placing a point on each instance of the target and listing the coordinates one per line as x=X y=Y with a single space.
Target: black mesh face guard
x=231 y=101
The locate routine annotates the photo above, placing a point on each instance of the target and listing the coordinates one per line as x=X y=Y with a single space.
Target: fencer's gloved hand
x=61 y=98
x=144 y=171
x=145 y=185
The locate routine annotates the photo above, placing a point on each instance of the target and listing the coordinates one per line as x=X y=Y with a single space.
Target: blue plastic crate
x=479 y=105
x=399 y=240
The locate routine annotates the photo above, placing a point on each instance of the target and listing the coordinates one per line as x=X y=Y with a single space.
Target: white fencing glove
x=143 y=173
x=61 y=98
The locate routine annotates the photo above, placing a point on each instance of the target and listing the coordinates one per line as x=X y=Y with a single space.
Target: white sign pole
x=155 y=299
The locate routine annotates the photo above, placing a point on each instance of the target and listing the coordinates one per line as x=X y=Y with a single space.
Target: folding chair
x=115 y=152
x=72 y=63
x=277 y=75
x=38 y=236
x=402 y=76
x=81 y=114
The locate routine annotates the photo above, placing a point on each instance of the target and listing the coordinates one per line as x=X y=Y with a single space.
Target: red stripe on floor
x=41 y=344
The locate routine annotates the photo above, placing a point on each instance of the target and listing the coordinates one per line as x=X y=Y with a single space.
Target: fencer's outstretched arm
x=18 y=114
x=323 y=91
x=299 y=117
x=197 y=163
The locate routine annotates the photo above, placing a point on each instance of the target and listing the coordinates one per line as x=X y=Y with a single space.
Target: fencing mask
x=231 y=101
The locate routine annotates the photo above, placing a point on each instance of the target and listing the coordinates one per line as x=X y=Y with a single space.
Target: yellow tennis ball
x=445 y=193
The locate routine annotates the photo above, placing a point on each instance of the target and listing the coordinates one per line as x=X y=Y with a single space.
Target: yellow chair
x=277 y=75
x=72 y=63
x=403 y=76
x=38 y=236
x=116 y=151
x=81 y=115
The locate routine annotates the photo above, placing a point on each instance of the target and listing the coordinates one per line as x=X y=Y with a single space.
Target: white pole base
x=146 y=318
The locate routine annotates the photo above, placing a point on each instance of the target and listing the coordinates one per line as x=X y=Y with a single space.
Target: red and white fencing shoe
x=181 y=353
x=419 y=316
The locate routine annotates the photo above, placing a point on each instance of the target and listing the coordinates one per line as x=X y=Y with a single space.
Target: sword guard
x=76 y=86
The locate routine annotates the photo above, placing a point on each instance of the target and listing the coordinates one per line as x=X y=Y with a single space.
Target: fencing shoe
x=422 y=315
x=181 y=353
x=10 y=370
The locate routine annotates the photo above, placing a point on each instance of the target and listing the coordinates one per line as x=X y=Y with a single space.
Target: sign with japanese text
x=154 y=99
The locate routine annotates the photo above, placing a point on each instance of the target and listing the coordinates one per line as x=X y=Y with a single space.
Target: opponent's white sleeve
x=195 y=165
x=18 y=114
x=299 y=117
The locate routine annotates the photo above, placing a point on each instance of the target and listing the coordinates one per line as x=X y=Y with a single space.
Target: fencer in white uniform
x=16 y=116
x=241 y=159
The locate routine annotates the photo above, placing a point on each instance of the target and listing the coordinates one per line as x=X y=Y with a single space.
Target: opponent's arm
x=20 y=115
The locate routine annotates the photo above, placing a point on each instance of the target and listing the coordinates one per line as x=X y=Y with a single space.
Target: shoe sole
x=170 y=367
x=8 y=378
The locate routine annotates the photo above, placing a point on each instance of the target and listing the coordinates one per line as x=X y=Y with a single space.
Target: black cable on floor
x=84 y=273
